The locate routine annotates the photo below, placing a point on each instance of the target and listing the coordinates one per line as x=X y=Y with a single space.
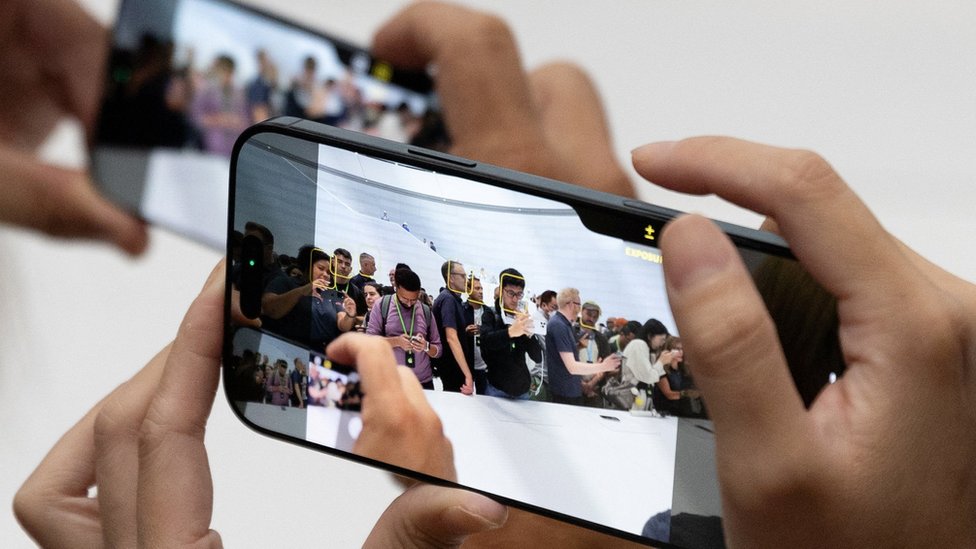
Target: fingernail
x=489 y=511
x=216 y=275
x=649 y=151
x=695 y=250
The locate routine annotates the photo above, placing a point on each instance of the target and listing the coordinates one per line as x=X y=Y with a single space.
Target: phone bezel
x=598 y=210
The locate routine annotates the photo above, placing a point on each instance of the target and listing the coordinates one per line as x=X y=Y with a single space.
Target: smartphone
x=185 y=77
x=642 y=476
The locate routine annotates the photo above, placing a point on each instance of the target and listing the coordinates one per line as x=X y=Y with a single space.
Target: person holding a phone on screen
x=853 y=470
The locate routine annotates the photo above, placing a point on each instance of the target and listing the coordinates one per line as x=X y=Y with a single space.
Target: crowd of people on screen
x=549 y=347
x=158 y=101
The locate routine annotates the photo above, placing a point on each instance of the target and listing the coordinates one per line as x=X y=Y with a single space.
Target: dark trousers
x=480 y=381
x=451 y=377
x=575 y=401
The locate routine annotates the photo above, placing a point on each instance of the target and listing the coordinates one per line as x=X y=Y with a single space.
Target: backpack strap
x=384 y=312
x=427 y=315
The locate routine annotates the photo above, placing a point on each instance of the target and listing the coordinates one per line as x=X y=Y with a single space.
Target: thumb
x=63 y=203
x=729 y=338
x=434 y=517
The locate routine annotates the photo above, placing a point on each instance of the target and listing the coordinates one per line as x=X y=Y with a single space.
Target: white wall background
x=884 y=90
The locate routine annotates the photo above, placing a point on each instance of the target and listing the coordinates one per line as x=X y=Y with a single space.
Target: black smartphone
x=618 y=468
x=186 y=77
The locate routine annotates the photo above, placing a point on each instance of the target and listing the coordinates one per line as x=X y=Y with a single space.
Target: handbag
x=617 y=394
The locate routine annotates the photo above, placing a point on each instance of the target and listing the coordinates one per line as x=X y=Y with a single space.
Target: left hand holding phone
x=150 y=430
x=59 y=52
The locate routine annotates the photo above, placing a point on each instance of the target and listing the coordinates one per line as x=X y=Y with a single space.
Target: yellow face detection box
x=450 y=275
x=501 y=296
x=332 y=277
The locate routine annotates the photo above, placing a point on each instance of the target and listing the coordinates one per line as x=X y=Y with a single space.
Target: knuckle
x=745 y=331
x=491 y=32
x=430 y=421
x=777 y=484
x=806 y=175
x=113 y=424
x=565 y=73
x=28 y=507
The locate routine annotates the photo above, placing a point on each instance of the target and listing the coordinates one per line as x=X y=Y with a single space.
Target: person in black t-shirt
x=453 y=364
x=307 y=311
x=341 y=268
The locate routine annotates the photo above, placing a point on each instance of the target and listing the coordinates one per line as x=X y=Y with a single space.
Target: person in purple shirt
x=408 y=326
x=220 y=109
x=279 y=384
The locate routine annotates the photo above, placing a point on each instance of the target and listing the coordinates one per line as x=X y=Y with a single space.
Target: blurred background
x=884 y=91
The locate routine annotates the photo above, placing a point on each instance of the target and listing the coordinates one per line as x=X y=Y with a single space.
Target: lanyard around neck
x=413 y=317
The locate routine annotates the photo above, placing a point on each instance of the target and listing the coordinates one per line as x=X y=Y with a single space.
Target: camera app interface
x=548 y=350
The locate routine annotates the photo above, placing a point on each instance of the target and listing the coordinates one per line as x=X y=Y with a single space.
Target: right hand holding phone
x=316 y=287
x=859 y=467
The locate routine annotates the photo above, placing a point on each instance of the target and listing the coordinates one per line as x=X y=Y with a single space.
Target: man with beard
x=565 y=370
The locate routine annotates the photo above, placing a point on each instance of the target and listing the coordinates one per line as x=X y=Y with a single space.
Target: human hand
x=666 y=357
x=53 y=56
x=418 y=343
x=516 y=329
x=549 y=122
x=472 y=329
x=399 y=426
x=611 y=363
x=468 y=387
x=348 y=305
x=427 y=517
x=133 y=445
x=854 y=469
x=315 y=288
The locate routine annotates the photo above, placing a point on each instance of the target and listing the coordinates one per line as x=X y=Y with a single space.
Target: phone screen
x=609 y=459
x=186 y=77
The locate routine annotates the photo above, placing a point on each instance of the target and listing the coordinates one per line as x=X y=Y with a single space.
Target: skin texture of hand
x=52 y=56
x=883 y=457
x=431 y=517
x=399 y=426
x=549 y=122
x=143 y=447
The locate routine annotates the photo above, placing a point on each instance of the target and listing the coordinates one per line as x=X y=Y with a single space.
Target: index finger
x=480 y=81
x=373 y=358
x=175 y=487
x=828 y=227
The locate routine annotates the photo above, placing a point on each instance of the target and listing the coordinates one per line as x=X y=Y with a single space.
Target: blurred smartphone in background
x=186 y=77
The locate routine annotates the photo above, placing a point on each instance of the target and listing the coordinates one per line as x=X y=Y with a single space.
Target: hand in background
x=52 y=56
x=549 y=122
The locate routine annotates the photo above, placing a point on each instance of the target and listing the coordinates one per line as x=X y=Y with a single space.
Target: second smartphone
x=184 y=78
